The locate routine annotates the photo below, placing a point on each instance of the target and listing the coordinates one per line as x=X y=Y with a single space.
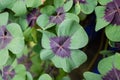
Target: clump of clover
x=23 y=21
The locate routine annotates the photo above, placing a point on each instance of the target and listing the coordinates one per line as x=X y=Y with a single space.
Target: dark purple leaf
x=114 y=74
x=32 y=17
x=5 y=37
x=59 y=17
x=7 y=73
x=112 y=12
x=60 y=46
x=25 y=60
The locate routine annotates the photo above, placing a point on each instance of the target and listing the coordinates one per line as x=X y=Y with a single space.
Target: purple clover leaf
x=112 y=12
x=32 y=17
x=46 y=20
x=11 y=38
x=25 y=60
x=59 y=17
x=66 y=4
x=62 y=48
x=5 y=38
x=108 y=17
x=7 y=73
x=109 y=14
x=29 y=20
x=109 y=72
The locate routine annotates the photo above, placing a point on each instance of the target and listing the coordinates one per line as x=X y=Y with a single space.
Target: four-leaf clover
x=62 y=48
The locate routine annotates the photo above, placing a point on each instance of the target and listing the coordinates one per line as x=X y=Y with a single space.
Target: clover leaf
x=108 y=17
x=54 y=17
x=62 y=48
x=66 y=4
x=13 y=73
x=5 y=4
x=11 y=38
x=109 y=68
x=86 y=6
x=19 y=7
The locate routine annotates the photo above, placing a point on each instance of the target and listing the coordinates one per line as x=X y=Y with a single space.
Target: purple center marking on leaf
x=80 y=1
x=60 y=46
x=7 y=73
x=32 y=17
x=114 y=74
x=59 y=17
x=112 y=12
x=5 y=37
x=25 y=60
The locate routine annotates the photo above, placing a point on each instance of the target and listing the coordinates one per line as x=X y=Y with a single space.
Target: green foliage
x=53 y=19
x=87 y=7
x=92 y=76
x=43 y=22
x=3 y=18
x=45 y=76
x=112 y=33
x=73 y=29
x=101 y=22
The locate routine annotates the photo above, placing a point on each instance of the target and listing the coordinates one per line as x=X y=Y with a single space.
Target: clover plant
x=49 y=39
x=109 y=69
x=62 y=48
x=13 y=73
x=11 y=38
x=108 y=16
